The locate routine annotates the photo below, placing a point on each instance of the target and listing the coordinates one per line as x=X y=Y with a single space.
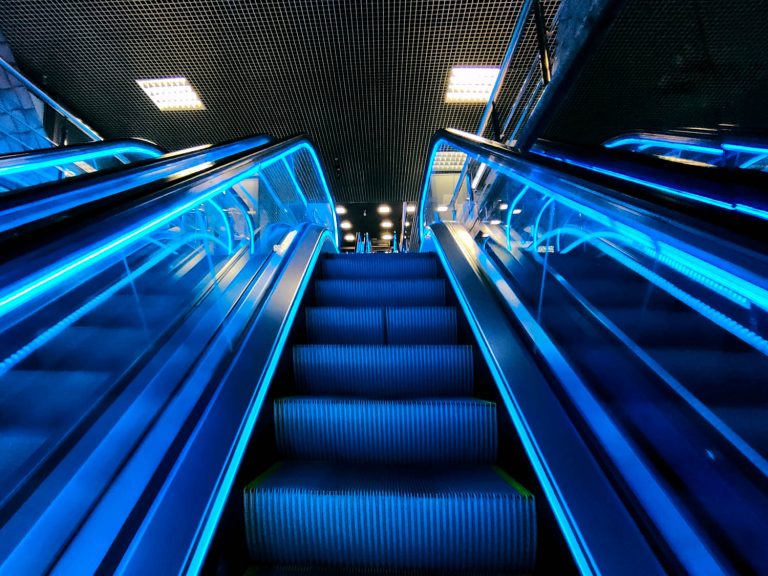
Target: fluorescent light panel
x=172 y=94
x=471 y=84
x=449 y=161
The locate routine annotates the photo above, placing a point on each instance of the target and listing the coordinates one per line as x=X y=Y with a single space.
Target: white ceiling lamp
x=172 y=94
x=349 y=237
x=341 y=210
x=503 y=206
x=494 y=222
x=449 y=161
x=346 y=225
x=386 y=224
x=386 y=236
x=471 y=84
x=411 y=208
x=442 y=208
x=384 y=209
x=517 y=211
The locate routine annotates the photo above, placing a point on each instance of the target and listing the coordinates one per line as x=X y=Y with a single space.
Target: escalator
x=195 y=380
x=382 y=446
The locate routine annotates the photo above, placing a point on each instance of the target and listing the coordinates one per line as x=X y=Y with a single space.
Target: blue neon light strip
x=658 y=142
x=46 y=281
x=763 y=214
x=26 y=165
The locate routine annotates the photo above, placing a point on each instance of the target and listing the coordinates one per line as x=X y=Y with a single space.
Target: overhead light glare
x=503 y=206
x=172 y=94
x=386 y=236
x=494 y=222
x=346 y=225
x=349 y=237
x=384 y=209
x=411 y=208
x=341 y=210
x=386 y=223
x=471 y=84
x=442 y=208
x=517 y=211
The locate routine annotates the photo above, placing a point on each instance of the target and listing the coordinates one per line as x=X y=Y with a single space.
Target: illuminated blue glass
x=15 y=296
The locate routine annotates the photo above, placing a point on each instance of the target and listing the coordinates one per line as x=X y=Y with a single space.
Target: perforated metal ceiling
x=366 y=80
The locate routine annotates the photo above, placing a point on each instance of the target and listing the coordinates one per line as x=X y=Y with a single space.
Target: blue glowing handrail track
x=21 y=162
x=24 y=206
x=44 y=269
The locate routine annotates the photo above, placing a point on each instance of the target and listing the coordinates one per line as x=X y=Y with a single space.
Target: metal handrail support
x=39 y=93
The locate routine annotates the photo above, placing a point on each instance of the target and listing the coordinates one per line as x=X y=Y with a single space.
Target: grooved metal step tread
x=380 y=265
x=434 y=430
x=352 y=325
x=383 y=371
x=434 y=517
x=380 y=292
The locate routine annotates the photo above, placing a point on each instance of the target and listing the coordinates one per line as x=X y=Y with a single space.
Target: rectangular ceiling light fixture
x=172 y=94
x=449 y=161
x=471 y=84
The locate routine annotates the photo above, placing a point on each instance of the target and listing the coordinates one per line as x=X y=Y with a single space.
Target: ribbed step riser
x=459 y=431
x=383 y=371
x=379 y=266
x=422 y=325
x=435 y=532
x=372 y=293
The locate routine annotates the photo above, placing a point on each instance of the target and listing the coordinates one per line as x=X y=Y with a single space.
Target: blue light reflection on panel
x=27 y=165
x=18 y=296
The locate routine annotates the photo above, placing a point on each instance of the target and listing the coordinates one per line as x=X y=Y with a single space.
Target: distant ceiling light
x=442 y=208
x=411 y=208
x=349 y=237
x=494 y=222
x=407 y=224
x=386 y=236
x=503 y=206
x=449 y=161
x=386 y=223
x=346 y=225
x=517 y=211
x=172 y=94
x=341 y=210
x=471 y=84
x=384 y=209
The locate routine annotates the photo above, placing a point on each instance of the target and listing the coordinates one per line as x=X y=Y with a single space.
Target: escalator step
x=387 y=431
x=336 y=571
x=421 y=292
x=421 y=325
x=432 y=518
x=380 y=265
x=344 y=325
x=383 y=371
